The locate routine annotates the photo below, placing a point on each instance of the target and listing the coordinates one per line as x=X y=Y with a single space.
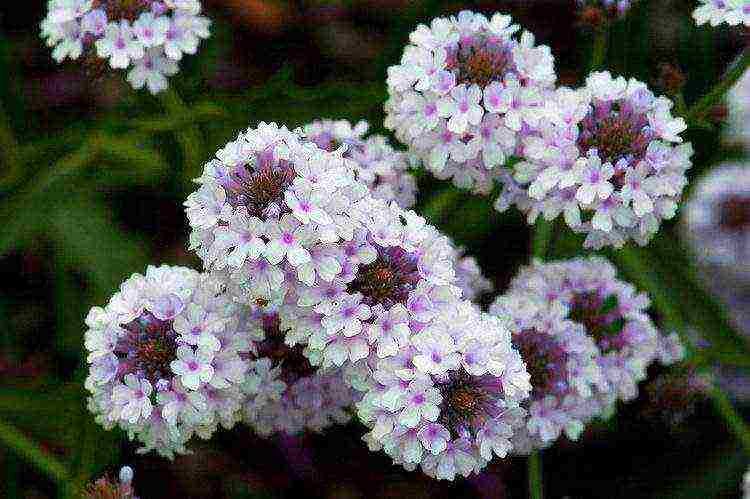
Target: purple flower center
x=468 y=401
x=545 y=360
x=617 y=132
x=479 y=61
x=601 y=316
x=734 y=213
x=388 y=280
x=123 y=9
x=260 y=184
x=294 y=365
x=148 y=348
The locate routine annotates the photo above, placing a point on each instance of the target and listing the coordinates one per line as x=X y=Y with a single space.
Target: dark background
x=92 y=181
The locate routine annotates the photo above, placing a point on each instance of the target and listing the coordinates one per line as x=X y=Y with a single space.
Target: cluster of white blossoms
x=284 y=392
x=563 y=362
x=715 y=12
x=165 y=358
x=607 y=157
x=374 y=161
x=145 y=37
x=448 y=401
x=716 y=218
x=464 y=93
x=587 y=292
x=737 y=127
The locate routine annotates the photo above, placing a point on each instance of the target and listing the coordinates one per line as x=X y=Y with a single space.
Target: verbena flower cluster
x=284 y=391
x=563 y=362
x=449 y=400
x=586 y=339
x=145 y=37
x=607 y=157
x=375 y=163
x=716 y=218
x=464 y=93
x=715 y=12
x=165 y=358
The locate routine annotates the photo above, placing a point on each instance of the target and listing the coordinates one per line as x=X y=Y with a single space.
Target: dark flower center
x=545 y=361
x=149 y=347
x=467 y=402
x=388 y=280
x=123 y=9
x=734 y=213
x=479 y=63
x=600 y=317
x=294 y=364
x=257 y=188
x=616 y=133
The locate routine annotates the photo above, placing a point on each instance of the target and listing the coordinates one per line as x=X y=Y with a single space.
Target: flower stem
x=541 y=239
x=705 y=104
x=734 y=421
x=10 y=158
x=27 y=450
x=536 y=490
x=189 y=136
x=599 y=50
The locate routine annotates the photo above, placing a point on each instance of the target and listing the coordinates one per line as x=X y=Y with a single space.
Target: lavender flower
x=164 y=359
x=147 y=36
x=465 y=92
x=715 y=12
x=375 y=163
x=612 y=314
x=449 y=400
x=284 y=392
x=563 y=362
x=606 y=158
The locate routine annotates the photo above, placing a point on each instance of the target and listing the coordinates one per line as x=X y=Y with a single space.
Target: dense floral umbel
x=612 y=313
x=107 y=488
x=285 y=393
x=272 y=212
x=607 y=158
x=737 y=128
x=397 y=276
x=375 y=163
x=449 y=400
x=148 y=37
x=164 y=358
x=716 y=219
x=715 y=12
x=465 y=91
x=562 y=361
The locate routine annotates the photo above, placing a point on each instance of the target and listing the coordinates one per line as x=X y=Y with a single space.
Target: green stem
x=734 y=421
x=536 y=489
x=599 y=50
x=541 y=239
x=699 y=109
x=189 y=138
x=10 y=158
x=27 y=450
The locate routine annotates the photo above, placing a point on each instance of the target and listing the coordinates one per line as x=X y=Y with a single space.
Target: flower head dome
x=716 y=220
x=715 y=12
x=284 y=392
x=612 y=314
x=270 y=211
x=608 y=157
x=375 y=163
x=562 y=361
x=465 y=91
x=146 y=37
x=449 y=400
x=397 y=275
x=164 y=358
